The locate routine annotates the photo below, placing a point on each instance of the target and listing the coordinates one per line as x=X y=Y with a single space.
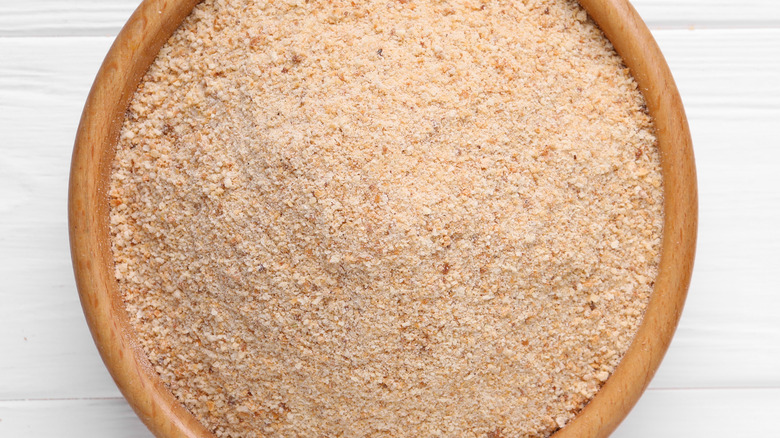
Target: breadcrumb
x=386 y=218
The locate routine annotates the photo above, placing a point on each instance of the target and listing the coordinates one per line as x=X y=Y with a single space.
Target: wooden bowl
x=135 y=49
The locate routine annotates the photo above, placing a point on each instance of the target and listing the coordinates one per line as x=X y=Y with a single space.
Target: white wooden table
x=721 y=377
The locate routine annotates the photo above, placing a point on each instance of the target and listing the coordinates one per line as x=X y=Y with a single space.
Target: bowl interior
x=135 y=49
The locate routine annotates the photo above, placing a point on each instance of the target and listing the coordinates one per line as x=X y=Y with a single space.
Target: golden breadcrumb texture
x=391 y=218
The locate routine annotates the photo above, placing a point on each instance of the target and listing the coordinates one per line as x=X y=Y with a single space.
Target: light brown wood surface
x=130 y=56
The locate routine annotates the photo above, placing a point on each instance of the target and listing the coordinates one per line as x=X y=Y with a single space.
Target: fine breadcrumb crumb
x=386 y=218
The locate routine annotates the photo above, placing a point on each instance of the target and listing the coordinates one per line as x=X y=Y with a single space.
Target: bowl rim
x=136 y=47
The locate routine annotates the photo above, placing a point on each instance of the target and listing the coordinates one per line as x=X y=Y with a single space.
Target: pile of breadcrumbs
x=392 y=218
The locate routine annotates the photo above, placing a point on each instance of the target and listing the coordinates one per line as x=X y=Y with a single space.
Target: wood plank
x=670 y=14
x=106 y=17
x=673 y=413
x=703 y=413
x=70 y=418
x=729 y=335
x=47 y=350
x=64 y=17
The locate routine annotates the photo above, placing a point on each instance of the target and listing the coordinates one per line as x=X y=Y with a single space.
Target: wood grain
x=70 y=418
x=729 y=87
x=728 y=337
x=46 y=351
x=688 y=14
x=106 y=17
x=660 y=413
x=727 y=78
x=704 y=413
x=64 y=17
x=129 y=57
x=633 y=41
